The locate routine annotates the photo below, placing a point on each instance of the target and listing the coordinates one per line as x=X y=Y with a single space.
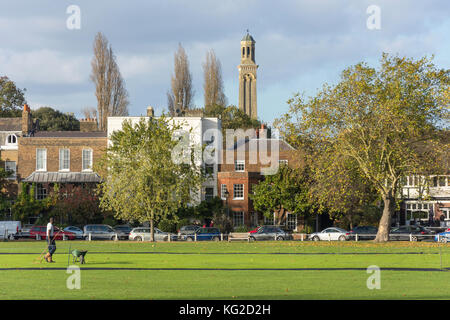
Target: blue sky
x=300 y=45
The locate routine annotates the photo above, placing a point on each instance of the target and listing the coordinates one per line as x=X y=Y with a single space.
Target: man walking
x=50 y=241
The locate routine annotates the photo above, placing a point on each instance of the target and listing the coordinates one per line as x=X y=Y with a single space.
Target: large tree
x=286 y=191
x=181 y=95
x=54 y=120
x=386 y=124
x=11 y=98
x=212 y=81
x=142 y=182
x=112 y=97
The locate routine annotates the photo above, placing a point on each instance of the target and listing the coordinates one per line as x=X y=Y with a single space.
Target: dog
x=78 y=254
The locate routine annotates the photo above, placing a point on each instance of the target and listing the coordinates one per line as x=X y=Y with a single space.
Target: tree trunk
x=152 y=231
x=385 y=222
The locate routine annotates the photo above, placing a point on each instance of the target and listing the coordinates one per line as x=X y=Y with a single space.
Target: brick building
x=236 y=178
x=63 y=157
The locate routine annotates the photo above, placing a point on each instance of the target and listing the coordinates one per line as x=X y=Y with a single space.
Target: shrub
x=167 y=226
x=241 y=229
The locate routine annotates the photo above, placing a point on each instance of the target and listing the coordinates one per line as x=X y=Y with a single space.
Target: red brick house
x=236 y=179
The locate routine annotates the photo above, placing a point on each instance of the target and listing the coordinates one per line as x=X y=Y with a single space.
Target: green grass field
x=237 y=270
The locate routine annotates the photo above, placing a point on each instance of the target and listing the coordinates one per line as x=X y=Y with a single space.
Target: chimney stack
x=27 y=122
x=150 y=111
x=88 y=125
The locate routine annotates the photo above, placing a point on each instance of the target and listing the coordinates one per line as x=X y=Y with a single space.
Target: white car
x=330 y=234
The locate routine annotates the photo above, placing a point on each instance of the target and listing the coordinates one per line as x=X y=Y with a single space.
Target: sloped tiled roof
x=10 y=124
x=62 y=177
x=69 y=134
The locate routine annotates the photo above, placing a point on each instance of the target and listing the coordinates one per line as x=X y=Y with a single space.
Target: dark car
x=363 y=232
x=185 y=230
x=202 y=234
x=123 y=229
x=407 y=233
x=270 y=233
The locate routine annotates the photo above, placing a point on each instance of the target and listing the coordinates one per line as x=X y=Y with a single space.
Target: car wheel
x=189 y=239
x=414 y=238
x=216 y=239
x=280 y=238
x=138 y=238
x=443 y=240
x=252 y=239
x=315 y=238
x=342 y=238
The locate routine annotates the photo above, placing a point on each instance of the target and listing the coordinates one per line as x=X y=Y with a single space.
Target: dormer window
x=11 y=139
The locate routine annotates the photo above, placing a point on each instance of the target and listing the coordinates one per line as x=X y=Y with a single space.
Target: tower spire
x=247 y=77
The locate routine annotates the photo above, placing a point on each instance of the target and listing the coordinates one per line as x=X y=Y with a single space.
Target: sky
x=300 y=45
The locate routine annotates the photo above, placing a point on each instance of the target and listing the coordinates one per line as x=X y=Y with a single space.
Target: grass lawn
x=258 y=274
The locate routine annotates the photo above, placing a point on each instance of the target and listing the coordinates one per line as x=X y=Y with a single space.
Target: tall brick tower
x=247 y=77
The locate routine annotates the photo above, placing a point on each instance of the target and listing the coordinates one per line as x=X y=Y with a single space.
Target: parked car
x=41 y=231
x=144 y=234
x=417 y=233
x=254 y=230
x=125 y=229
x=10 y=229
x=443 y=236
x=185 y=230
x=102 y=232
x=330 y=234
x=363 y=232
x=25 y=232
x=270 y=233
x=77 y=231
x=203 y=234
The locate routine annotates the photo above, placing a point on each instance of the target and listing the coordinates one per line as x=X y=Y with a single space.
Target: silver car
x=101 y=232
x=143 y=234
x=330 y=234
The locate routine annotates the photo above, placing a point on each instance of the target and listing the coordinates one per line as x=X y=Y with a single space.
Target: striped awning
x=63 y=177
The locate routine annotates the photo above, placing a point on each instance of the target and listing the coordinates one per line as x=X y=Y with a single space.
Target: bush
x=223 y=223
x=241 y=229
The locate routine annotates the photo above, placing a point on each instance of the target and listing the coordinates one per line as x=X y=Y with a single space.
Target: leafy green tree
x=282 y=192
x=385 y=124
x=54 y=120
x=142 y=182
x=26 y=204
x=232 y=117
x=11 y=98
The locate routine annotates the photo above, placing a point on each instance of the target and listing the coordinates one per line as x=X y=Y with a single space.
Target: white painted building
x=198 y=125
x=420 y=199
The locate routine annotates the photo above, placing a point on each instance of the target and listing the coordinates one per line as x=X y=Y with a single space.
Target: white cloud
x=44 y=66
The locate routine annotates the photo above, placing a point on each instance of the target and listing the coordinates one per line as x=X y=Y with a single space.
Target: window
x=441 y=181
x=238 y=191
x=418 y=211
x=87 y=159
x=64 y=160
x=41 y=159
x=291 y=221
x=239 y=165
x=223 y=191
x=41 y=192
x=11 y=166
x=238 y=218
x=11 y=139
x=270 y=220
x=209 y=169
x=209 y=194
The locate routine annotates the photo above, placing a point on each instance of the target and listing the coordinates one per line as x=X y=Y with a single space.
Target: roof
x=69 y=134
x=63 y=177
x=248 y=37
x=246 y=143
x=10 y=124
